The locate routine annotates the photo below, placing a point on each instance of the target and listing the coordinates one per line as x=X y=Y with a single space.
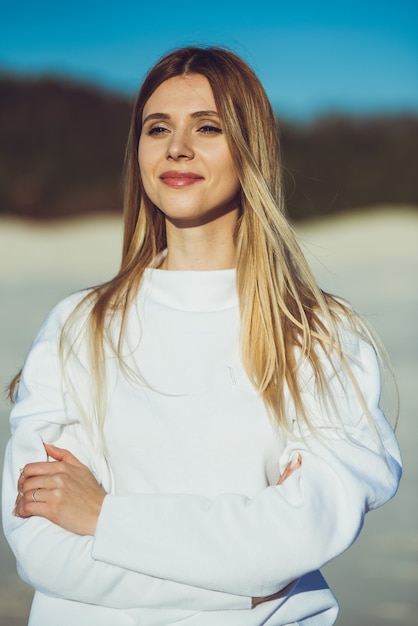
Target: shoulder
x=42 y=363
x=75 y=306
x=358 y=344
x=346 y=337
x=342 y=373
x=338 y=339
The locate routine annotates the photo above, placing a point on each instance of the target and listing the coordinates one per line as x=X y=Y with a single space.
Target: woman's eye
x=209 y=129
x=156 y=130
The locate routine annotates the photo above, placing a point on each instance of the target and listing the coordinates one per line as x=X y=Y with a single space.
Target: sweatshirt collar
x=211 y=290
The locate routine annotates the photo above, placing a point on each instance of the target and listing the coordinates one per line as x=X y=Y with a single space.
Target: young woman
x=213 y=415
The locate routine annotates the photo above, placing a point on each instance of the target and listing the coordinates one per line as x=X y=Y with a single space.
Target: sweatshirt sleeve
x=256 y=546
x=56 y=562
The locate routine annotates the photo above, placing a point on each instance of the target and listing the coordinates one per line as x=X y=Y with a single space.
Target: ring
x=33 y=494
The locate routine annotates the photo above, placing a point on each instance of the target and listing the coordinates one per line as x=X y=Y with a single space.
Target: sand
x=371 y=258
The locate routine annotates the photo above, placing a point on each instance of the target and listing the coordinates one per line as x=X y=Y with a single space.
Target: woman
x=214 y=415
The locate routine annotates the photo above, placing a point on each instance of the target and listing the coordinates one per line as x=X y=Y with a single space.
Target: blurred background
x=343 y=80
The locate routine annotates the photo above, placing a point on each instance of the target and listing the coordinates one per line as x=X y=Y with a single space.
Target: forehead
x=188 y=93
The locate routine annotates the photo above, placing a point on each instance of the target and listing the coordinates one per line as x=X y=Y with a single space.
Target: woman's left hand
x=292 y=466
x=65 y=492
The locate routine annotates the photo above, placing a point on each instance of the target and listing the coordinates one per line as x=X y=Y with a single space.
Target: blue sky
x=312 y=57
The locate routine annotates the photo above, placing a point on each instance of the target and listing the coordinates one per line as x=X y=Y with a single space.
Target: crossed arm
x=67 y=494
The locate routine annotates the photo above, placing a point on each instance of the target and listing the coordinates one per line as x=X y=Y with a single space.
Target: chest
x=185 y=417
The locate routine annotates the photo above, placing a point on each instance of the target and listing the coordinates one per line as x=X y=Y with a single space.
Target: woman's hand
x=291 y=467
x=66 y=492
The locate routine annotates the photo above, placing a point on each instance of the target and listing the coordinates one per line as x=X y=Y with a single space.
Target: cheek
x=225 y=164
x=145 y=168
x=229 y=173
x=146 y=178
x=149 y=188
x=146 y=156
x=141 y=160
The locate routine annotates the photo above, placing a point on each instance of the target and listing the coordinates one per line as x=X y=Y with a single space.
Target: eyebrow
x=165 y=116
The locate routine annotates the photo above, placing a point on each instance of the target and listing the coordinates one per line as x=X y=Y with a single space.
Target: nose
x=179 y=147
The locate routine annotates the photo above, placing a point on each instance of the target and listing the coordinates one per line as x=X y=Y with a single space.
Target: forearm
x=248 y=546
x=59 y=563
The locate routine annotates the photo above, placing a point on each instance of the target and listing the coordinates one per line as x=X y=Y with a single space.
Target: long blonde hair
x=281 y=306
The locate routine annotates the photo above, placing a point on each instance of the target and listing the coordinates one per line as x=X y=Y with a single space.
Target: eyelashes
x=205 y=129
x=209 y=129
x=156 y=130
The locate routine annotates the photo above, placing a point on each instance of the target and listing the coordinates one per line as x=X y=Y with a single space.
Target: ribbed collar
x=213 y=290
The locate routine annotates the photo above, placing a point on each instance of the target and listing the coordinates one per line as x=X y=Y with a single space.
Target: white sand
x=369 y=258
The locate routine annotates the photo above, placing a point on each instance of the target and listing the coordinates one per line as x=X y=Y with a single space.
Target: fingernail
x=297 y=460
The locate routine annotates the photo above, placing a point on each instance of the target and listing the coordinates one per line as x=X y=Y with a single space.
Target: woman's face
x=184 y=159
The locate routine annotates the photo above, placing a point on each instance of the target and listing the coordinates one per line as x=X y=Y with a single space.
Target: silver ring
x=33 y=494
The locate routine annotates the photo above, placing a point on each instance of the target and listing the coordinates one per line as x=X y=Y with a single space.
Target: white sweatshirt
x=193 y=525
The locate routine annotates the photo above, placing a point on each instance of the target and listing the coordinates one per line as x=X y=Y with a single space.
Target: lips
x=173 y=178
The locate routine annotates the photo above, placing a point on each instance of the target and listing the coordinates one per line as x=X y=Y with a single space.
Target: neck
x=200 y=248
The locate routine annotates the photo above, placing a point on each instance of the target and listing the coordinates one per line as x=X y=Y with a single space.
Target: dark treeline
x=62 y=149
x=340 y=163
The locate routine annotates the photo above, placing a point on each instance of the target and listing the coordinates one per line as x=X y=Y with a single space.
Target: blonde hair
x=281 y=306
